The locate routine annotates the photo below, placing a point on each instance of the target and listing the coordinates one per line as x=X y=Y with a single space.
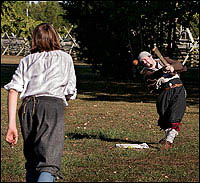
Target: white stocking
x=171 y=134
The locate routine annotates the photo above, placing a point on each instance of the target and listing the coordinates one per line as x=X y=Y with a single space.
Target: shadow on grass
x=78 y=136
x=98 y=88
x=7 y=70
x=92 y=87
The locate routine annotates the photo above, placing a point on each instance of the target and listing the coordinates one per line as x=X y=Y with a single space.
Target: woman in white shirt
x=46 y=80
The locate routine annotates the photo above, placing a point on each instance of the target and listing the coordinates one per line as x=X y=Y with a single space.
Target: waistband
x=36 y=100
x=173 y=86
x=43 y=98
x=171 y=82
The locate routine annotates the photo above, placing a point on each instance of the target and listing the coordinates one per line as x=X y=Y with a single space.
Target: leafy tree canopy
x=112 y=33
x=20 y=17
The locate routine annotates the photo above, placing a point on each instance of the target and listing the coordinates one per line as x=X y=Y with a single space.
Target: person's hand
x=12 y=136
x=169 y=68
x=68 y=97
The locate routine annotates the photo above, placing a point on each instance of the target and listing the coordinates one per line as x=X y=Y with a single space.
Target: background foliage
x=21 y=17
x=110 y=33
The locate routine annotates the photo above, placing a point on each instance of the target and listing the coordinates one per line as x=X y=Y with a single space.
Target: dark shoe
x=167 y=145
x=162 y=141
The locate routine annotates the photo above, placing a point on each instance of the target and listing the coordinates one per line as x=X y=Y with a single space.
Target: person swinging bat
x=162 y=77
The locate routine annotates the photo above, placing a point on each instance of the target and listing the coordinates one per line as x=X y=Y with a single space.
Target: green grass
x=107 y=112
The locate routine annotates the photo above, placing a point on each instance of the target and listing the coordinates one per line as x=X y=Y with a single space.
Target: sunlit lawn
x=109 y=112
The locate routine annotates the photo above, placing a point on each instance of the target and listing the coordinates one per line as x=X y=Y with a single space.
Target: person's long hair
x=45 y=38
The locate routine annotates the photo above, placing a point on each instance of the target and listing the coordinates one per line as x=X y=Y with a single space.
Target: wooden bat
x=157 y=52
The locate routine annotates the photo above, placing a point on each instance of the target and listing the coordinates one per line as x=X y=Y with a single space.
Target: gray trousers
x=43 y=131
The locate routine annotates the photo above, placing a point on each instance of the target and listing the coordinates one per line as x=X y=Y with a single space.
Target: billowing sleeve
x=176 y=64
x=70 y=91
x=17 y=82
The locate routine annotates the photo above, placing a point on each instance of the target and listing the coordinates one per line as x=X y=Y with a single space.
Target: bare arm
x=12 y=134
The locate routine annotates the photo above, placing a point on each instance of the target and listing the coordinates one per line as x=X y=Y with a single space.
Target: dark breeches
x=43 y=130
x=171 y=105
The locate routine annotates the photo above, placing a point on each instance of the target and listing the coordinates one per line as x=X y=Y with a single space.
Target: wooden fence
x=187 y=47
x=11 y=45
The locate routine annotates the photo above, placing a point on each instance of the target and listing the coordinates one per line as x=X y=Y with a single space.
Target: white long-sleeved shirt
x=45 y=74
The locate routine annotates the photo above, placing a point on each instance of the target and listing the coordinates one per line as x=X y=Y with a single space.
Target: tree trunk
x=161 y=40
x=174 y=38
x=169 y=39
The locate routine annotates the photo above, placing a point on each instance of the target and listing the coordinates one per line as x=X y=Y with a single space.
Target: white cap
x=143 y=54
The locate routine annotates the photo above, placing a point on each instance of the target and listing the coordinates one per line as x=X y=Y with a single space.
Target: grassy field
x=108 y=112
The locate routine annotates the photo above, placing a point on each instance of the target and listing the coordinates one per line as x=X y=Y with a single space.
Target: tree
x=50 y=12
x=20 y=17
x=8 y=16
x=112 y=33
x=15 y=19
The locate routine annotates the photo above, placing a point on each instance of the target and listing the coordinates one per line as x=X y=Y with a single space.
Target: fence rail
x=11 y=45
x=184 y=53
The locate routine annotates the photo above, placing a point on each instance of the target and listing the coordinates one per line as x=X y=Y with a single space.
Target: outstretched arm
x=12 y=134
